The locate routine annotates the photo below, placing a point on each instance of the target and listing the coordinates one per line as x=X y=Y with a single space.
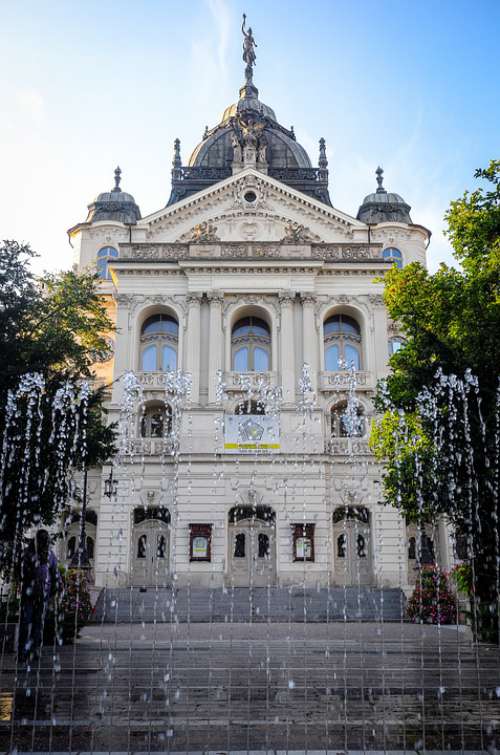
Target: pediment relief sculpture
x=296 y=233
x=201 y=233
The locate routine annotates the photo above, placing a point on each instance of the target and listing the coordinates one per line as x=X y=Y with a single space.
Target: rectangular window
x=200 y=542
x=303 y=542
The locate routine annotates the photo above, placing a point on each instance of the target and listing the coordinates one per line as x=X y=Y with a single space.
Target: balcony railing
x=347 y=446
x=152 y=446
x=332 y=381
x=236 y=380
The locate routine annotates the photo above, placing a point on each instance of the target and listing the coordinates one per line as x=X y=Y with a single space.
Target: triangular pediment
x=249 y=206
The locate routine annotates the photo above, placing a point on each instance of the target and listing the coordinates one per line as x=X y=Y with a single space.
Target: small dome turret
x=383 y=206
x=114 y=205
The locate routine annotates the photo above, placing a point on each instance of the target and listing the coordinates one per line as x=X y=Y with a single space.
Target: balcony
x=340 y=381
x=152 y=379
x=152 y=446
x=235 y=380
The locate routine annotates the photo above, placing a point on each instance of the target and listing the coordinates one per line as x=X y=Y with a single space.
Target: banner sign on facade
x=248 y=433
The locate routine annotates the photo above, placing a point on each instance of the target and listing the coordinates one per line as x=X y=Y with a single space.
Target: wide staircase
x=244 y=604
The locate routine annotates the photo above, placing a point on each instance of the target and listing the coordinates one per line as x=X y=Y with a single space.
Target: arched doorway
x=352 y=546
x=73 y=534
x=252 y=546
x=150 y=546
x=422 y=543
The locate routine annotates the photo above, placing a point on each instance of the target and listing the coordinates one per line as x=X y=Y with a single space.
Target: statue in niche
x=295 y=233
x=203 y=232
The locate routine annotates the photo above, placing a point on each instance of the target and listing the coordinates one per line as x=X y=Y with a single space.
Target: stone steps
x=242 y=604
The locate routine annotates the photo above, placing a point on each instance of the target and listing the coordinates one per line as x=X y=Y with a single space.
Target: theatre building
x=246 y=272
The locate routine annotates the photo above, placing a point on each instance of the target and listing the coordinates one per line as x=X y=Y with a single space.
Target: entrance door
x=150 y=545
x=252 y=555
x=351 y=540
x=422 y=548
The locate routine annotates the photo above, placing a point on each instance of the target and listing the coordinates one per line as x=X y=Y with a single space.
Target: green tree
x=436 y=463
x=53 y=326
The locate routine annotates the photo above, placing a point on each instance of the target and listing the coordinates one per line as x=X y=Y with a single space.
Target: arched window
x=104 y=255
x=251 y=345
x=391 y=254
x=156 y=421
x=394 y=345
x=347 y=420
x=342 y=342
x=159 y=342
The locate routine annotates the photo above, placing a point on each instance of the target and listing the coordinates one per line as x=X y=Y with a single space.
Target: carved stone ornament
x=377 y=300
x=295 y=233
x=201 y=233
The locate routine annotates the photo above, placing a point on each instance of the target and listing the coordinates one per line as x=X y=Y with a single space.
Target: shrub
x=431 y=601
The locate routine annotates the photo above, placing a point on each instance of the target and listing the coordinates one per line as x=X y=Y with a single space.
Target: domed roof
x=114 y=205
x=249 y=135
x=383 y=206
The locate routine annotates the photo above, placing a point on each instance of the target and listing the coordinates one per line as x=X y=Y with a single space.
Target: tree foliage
x=54 y=326
x=440 y=449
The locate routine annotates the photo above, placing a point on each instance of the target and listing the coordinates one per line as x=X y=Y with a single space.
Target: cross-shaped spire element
x=380 y=178
x=118 y=178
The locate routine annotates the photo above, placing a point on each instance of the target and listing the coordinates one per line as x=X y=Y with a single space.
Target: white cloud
x=31 y=102
x=223 y=21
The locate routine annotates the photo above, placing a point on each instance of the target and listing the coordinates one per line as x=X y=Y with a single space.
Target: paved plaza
x=223 y=687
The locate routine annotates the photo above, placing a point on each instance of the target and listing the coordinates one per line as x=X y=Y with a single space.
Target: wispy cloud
x=31 y=102
x=222 y=17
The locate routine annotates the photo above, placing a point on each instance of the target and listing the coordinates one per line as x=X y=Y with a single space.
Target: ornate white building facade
x=248 y=271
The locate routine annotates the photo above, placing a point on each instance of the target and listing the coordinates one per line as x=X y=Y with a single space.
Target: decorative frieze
x=346 y=252
x=336 y=381
x=154 y=252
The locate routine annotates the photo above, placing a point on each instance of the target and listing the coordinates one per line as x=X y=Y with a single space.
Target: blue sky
x=410 y=85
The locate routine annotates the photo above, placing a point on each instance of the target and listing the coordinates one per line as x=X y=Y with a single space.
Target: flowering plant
x=432 y=601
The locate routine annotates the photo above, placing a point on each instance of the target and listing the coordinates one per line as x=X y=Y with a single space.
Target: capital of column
x=194 y=298
x=215 y=297
x=286 y=297
x=308 y=299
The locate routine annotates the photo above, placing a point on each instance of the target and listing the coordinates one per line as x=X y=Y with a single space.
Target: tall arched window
x=391 y=254
x=347 y=420
x=251 y=345
x=159 y=342
x=394 y=345
x=104 y=255
x=156 y=421
x=342 y=342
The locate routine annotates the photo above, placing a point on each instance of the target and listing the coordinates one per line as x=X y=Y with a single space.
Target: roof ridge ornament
x=118 y=178
x=380 y=179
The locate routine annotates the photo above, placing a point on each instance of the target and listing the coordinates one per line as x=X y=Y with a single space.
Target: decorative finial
x=380 y=178
x=118 y=178
x=177 y=162
x=249 y=45
x=292 y=131
x=323 y=161
x=205 y=133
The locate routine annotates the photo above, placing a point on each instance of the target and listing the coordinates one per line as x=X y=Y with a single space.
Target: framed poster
x=303 y=542
x=200 y=542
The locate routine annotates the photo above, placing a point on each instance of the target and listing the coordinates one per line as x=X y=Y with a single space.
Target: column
x=123 y=345
x=215 y=346
x=310 y=336
x=192 y=344
x=287 y=343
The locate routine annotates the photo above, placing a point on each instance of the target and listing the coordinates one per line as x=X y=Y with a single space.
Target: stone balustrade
x=339 y=381
x=347 y=446
x=233 y=380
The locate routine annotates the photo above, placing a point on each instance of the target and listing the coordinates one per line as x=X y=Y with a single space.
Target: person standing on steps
x=40 y=581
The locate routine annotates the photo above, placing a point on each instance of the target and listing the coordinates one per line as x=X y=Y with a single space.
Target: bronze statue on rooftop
x=249 y=45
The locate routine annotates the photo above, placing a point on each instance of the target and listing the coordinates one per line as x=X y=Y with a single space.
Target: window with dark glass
x=156 y=421
x=303 y=542
x=263 y=544
x=141 y=546
x=347 y=420
x=239 y=545
x=342 y=343
x=159 y=343
x=251 y=345
x=341 y=545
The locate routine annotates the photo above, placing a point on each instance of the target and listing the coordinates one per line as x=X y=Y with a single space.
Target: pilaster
x=215 y=299
x=309 y=336
x=287 y=351
x=193 y=344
